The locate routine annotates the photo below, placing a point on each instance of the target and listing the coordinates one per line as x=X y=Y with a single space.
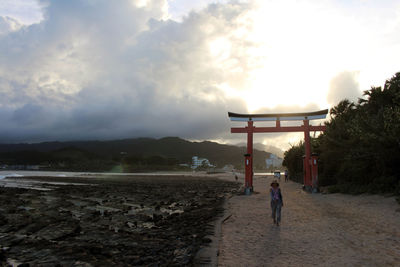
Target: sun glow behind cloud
x=299 y=47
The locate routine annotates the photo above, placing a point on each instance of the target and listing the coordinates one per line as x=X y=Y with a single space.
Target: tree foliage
x=360 y=149
x=294 y=162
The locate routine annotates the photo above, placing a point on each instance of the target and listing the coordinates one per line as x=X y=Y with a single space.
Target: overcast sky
x=100 y=69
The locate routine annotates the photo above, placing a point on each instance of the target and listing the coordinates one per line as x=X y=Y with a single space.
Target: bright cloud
x=302 y=45
x=104 y=69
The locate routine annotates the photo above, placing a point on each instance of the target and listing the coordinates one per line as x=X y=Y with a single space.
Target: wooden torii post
x=309 y=182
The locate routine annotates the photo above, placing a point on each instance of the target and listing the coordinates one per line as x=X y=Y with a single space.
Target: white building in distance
x=197 y=162
x=273 y=161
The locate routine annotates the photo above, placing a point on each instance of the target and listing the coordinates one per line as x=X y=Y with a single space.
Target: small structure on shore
x=273 y=161
x=200 y=162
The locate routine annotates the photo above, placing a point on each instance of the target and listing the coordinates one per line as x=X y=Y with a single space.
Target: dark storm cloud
x=101 y=70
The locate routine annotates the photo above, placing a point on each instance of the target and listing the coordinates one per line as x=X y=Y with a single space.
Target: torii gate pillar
x=249 y=159
x=307 y=144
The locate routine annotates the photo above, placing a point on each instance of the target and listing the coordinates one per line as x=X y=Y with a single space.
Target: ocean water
x=8 y=179
x=11 y=173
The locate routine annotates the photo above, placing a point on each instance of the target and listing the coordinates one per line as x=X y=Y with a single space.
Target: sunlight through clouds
x=302 y=45
x=160 y=68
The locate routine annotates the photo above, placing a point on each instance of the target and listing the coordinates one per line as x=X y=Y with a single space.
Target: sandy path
x=316 y=230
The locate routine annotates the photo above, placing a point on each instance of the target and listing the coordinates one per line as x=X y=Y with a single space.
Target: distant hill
x=267 y=148
x=168 y=147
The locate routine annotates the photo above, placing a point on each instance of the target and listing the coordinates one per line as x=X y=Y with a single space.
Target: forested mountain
x=360 y=149
x=169 y=150
x=268 y=148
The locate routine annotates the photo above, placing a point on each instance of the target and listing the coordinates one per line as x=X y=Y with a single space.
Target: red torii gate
x=309 y=181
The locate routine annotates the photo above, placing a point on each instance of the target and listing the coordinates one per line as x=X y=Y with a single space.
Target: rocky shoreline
x=110 y=221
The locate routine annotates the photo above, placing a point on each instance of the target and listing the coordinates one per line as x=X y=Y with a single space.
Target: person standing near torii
x=276 y=202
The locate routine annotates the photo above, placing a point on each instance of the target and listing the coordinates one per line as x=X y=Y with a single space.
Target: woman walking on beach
x=276 y=202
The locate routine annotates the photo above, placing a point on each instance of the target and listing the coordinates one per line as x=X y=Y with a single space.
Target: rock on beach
x=115 y=221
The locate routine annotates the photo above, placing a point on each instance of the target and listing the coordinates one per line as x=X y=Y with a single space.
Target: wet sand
x=316 y=229
x=109 y=221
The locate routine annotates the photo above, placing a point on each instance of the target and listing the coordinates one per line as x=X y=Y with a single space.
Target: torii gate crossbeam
x=250 y=129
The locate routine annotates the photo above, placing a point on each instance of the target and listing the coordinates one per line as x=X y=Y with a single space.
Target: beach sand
x=316 y=229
